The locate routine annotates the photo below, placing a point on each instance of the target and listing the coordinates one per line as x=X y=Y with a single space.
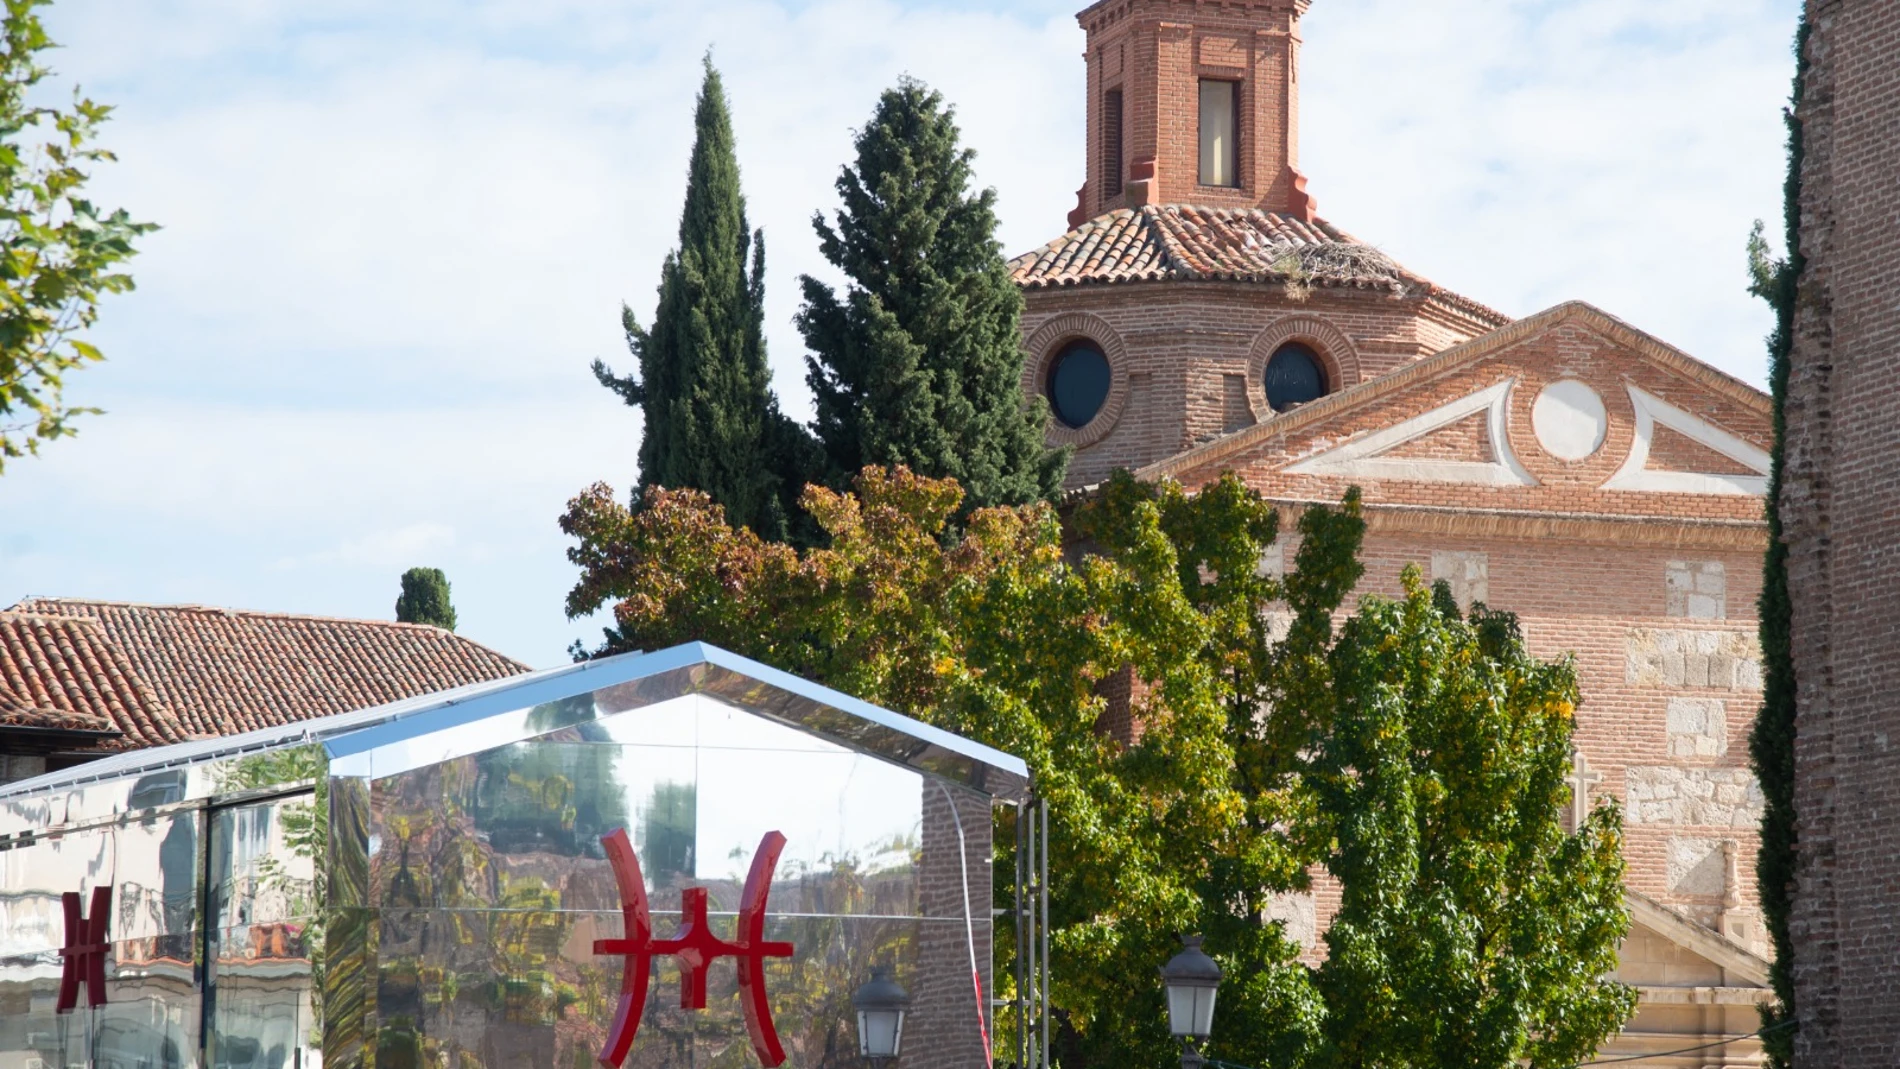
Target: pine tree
x=1771 y=743
x=919 y=362
x=711 y=421
x=425 y=599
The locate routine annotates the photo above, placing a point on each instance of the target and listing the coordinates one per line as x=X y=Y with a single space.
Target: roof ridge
x=31 y=617
x=218 y=610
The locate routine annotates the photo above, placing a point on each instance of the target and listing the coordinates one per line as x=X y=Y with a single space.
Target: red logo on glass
x=695 y=946
x=85 y=951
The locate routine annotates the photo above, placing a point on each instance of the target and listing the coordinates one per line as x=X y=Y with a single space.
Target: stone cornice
x=1593 y=528
x=1108 y=9
x=1691 y=936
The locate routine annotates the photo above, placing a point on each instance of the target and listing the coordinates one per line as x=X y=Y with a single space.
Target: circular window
x=1294 y=376
x=1078 y=382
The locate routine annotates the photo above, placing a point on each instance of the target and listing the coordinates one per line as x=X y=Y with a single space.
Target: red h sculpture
x=696 y=948
x=85 y=950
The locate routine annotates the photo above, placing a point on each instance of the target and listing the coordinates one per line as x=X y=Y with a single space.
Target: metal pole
x=1017 y=907
x=1042 y=845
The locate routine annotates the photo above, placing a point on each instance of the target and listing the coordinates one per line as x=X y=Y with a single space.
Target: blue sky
x=396 y=235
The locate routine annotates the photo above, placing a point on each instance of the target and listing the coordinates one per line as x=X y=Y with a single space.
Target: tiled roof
x=1159 y=242
x=223 y=671
x=1181 y=241
x=64 y=673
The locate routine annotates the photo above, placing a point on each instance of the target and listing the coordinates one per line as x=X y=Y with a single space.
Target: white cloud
x=391 y=548
x=397 y=233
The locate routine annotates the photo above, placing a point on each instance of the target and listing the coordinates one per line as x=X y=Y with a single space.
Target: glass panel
x=510 y=990
x=263 y=867
x=696 y=784
x=149 y=1020
x=492 y=888
x=1219 y=130
x=263 y=898
x=262 y=1016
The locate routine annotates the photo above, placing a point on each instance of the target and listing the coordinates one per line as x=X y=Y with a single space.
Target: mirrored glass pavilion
x=429 y=883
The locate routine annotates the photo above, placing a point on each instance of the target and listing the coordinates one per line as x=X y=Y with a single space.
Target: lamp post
x=880 y=1004
x=1192 y=979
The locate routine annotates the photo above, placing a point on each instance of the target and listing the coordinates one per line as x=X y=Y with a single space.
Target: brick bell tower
x=1193 y=102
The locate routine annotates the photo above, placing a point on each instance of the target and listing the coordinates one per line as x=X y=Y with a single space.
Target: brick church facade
x=1199 y=316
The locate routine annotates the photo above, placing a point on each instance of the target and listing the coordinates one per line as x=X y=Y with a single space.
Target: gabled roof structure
x=402 y=736
x=63 y=674
x=164 y=673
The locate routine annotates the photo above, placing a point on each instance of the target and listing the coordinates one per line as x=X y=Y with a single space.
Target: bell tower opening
x=1193 y=102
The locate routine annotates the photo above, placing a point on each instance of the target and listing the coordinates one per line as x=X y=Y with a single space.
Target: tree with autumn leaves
x=1416 y=754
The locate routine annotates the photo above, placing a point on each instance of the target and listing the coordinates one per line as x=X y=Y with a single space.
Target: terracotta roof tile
x=65 y=673
x=1182 y=242
x=224 y=671
x=1174 y=241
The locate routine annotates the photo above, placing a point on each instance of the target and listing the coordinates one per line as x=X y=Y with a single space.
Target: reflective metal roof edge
x=180 y=754
x=522 y=692
x=804 y=688
x=359 y=730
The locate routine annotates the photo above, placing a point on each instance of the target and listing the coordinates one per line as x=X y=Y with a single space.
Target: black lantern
x=1192 y=978
x=880 y=1005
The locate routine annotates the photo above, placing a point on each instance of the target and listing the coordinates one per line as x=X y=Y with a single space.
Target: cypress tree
x=919 y=361
x=711 y=421
x=425 y=599
x=1771 y=743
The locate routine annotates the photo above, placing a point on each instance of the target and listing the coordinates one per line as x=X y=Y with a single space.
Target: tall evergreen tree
x=1771 y=743
x=712 y=422
x=425 y=599
x=919 y=362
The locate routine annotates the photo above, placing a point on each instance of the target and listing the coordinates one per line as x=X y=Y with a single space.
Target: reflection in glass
x=272 y=912
x=260 y=1002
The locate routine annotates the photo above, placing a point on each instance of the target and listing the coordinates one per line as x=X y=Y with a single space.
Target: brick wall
x=1668 y=696
x=942 y=1030
x=1155 y=52
x=1840 y=504
x=1174 y=347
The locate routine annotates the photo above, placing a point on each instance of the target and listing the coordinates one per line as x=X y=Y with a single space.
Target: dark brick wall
x=1841 y=512
x=942 y=1030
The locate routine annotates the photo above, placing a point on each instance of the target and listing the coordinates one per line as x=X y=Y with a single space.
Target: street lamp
x=880 y=1004
x=1192 y=979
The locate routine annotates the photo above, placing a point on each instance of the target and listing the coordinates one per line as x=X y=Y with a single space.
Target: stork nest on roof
x=1337 y=263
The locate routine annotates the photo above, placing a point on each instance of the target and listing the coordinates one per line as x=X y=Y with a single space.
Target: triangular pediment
x=1570 y=405
x=1743 y=968
x=1654 y=413
x=1381 y=454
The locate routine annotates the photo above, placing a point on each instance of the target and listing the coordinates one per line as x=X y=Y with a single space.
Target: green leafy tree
x=59 y=254
x=919 y=361
x=425 y=599
x=1771 y=742
x=997 y=632
x=1441 y=784
x=710 y=419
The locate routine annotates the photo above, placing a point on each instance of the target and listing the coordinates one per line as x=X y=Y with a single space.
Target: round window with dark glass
x=1294 y=377
x=1078 y=383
